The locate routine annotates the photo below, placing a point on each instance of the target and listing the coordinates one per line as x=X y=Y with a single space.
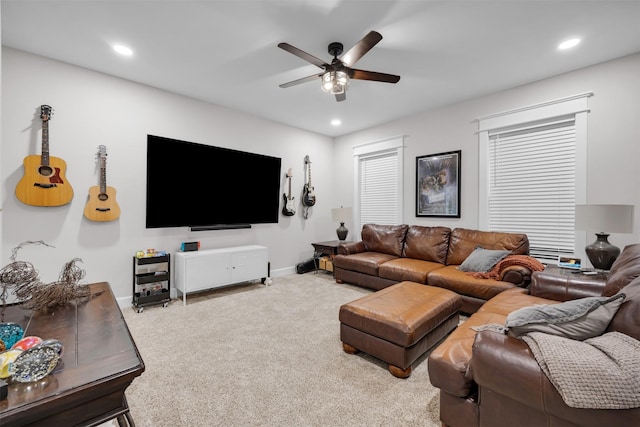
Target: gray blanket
x=599 y=373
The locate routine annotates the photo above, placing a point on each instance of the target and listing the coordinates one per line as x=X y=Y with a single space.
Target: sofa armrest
x=506 y=366
x=563 y=285
x=351 y=248
x=517 y=274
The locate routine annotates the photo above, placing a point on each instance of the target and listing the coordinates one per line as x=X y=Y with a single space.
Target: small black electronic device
x=189 y=246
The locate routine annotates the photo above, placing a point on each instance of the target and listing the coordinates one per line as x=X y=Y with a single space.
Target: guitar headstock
x=102 y=156
x=46 y=112
x=306 y=160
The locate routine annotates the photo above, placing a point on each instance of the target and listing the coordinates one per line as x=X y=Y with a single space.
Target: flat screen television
x=207 y=187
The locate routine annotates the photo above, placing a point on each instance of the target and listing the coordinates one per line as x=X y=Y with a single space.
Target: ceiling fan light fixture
x=335 y=82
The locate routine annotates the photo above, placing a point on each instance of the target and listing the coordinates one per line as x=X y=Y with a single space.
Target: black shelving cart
x=151 y=281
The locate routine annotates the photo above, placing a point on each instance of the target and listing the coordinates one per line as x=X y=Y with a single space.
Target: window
x=533 y=169
x=378 y=182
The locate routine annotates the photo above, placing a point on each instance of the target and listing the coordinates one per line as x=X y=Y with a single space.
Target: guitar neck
x=45 y=143
x=103 y=178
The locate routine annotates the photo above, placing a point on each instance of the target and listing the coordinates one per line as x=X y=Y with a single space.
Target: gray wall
x=613 y=140
x=92 y=109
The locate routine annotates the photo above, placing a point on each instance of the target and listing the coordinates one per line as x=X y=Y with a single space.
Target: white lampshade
x=341 y=214
x=605 y=218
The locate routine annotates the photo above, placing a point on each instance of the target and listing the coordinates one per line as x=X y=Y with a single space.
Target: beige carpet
x=267 y=356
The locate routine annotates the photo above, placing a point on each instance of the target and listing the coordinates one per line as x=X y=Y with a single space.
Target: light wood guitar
x=289 y=208
x=44 y=182
x=102 y=204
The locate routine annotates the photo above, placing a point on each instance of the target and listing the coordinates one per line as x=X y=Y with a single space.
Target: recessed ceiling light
x=336 y=122
x=568 y=44
x=122 y=50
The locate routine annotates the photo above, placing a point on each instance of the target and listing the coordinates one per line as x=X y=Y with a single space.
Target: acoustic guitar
x=289 y=206
x=308 y=194
x=44 y=182
x=102 y=204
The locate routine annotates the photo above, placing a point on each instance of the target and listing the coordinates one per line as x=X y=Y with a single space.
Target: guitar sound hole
x=103 y=196
x=45 y=170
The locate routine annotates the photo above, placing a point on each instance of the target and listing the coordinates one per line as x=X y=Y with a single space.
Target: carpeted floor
x=253 y=355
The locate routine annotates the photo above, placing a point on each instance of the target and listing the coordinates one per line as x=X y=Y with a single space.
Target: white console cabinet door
x=207 y=269
x=249 y=265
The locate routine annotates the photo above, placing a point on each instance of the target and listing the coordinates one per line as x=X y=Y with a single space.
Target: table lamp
x=609 y=218
x=341 y=215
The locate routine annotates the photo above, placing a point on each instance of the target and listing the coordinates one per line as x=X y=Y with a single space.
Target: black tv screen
x=202 y=186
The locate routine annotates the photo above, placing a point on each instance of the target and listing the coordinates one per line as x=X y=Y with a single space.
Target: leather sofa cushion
x=386 y=239
x=625 y=269
x=413 y=270
x=451 y=278
x=448 y=363
x=463 y=241
x=427 y=243
x=364 y=262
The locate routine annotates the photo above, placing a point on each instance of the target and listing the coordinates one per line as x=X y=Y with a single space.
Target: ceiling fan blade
x=302 y=80
x=341 y=96
x=360 y=48
x=304 y=55
x=372 y=75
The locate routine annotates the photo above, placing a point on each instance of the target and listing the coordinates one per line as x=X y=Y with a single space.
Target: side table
x=329 y=248
x=99 y=361
x=575 y=283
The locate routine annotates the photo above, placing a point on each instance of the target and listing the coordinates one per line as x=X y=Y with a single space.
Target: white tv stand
x=213 y=268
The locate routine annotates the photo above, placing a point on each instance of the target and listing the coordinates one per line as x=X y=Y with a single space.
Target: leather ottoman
x=398 y=324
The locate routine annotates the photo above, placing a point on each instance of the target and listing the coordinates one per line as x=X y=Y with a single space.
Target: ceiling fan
x=335 y=76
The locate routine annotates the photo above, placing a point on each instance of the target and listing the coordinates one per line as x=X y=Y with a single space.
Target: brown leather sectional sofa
x=491 y=379
x=389 y=254
x=487 y=378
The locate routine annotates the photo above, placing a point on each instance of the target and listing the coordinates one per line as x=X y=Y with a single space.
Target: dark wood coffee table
x=99 y=362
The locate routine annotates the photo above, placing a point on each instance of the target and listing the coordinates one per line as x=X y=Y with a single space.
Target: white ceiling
x=225 y=51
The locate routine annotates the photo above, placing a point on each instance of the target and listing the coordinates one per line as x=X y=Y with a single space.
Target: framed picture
x=438 y=185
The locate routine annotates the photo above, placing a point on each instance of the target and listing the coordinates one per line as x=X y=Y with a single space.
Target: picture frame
x=438 y=185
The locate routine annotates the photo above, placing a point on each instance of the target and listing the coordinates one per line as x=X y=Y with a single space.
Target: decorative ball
x=7 y=359
x=54 y=344
x=34 y=364
x=10 y=333
x=26 y=343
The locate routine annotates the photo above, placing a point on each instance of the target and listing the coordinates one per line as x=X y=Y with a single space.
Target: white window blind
x=532 y=184
x=379 y=190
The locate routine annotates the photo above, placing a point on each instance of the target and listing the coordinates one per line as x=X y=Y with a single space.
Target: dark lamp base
x=601 y=253
x=342 y=232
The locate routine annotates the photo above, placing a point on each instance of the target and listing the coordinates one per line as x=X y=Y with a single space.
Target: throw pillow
x=482 y=260
x=576 y=319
